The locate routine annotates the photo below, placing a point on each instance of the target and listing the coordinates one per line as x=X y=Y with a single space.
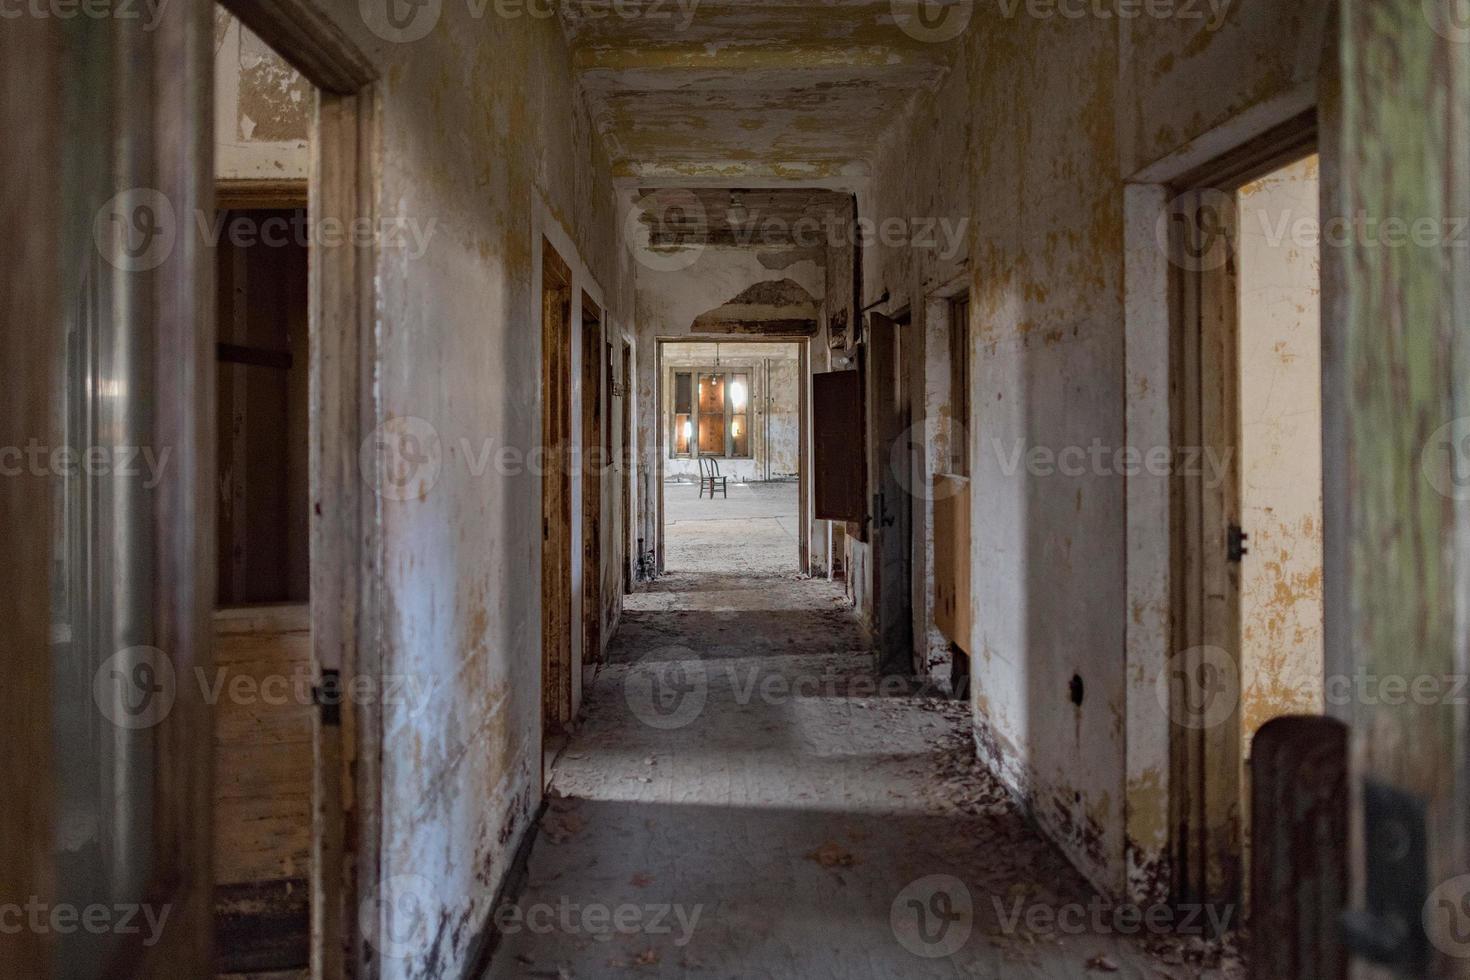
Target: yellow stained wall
x=1032 y=138
x=485 y=145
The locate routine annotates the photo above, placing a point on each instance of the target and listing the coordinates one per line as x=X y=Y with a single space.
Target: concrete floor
x=753 y=532
x=736 y=803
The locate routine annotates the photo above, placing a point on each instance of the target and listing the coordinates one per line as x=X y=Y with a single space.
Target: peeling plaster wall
x=262 y=108
x=1032 y=137
x=486 y=145
x=669 y=298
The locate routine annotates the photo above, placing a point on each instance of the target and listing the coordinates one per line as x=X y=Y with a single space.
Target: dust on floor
x=745 y=799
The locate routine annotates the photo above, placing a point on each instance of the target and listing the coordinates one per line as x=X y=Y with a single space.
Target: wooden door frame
x=31 y=102
x=346 y=541
x=594 y=430
x=556 y=492
x=804 y=476
x=1205 y=799
x=882 y=416
x=626 y=402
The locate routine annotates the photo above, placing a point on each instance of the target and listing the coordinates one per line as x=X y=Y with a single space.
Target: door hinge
x=1235 y=549
x=881 y=517
x=328 y=696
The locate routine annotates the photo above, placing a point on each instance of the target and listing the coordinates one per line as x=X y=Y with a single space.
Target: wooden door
x=887 y=409
x=1205 y=685
x=108 y=341
x=839 y=459
x=556 y=492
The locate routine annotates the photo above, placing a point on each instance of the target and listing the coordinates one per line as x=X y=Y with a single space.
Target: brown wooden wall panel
x=952 y=606
x=263 y=398
x=839 y=456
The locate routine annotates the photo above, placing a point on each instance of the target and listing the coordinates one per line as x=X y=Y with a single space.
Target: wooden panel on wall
x=953 y=613
x=263 y=402
x=262 y=793
x=839 y=456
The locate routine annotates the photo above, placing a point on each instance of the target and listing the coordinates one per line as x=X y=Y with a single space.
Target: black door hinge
x=328 y=696
x=1235 y=549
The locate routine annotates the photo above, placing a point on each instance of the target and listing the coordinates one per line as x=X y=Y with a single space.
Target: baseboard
x=517 y=876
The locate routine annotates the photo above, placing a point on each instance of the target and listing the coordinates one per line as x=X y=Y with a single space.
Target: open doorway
x=304 y=459
x=595 y=457
x=556 y=496
x=261 y=245
x=1248 y=614
x=731 y=456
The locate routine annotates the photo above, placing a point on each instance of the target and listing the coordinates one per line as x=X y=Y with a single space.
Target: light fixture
x=736 y=212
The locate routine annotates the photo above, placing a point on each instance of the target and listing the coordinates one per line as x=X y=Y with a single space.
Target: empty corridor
x=737 y=803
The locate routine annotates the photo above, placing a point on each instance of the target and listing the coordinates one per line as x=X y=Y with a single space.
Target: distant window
x=710 y=413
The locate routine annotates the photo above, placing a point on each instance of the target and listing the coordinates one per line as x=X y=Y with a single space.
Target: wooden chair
x=710 y=478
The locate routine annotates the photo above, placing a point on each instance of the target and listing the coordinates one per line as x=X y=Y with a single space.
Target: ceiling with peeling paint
x=769 y=218
x=707 y=91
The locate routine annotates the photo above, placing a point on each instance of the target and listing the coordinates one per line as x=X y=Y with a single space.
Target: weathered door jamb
x=346 y=543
